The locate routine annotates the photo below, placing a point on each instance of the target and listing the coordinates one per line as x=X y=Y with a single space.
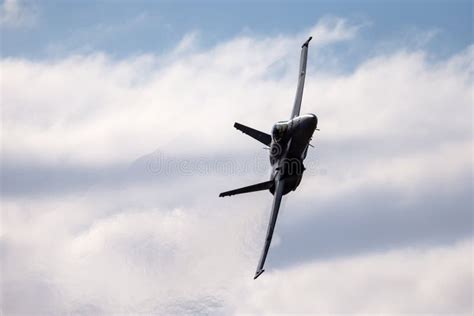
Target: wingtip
x=307 y=42
x=258 y=273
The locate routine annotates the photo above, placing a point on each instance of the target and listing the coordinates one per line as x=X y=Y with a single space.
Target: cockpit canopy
x=279 y=130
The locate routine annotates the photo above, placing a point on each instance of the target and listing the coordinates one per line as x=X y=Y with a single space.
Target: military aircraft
x=288 y=143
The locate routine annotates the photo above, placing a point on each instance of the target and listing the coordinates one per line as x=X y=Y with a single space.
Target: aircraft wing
x=277 y=196
x=301 y=77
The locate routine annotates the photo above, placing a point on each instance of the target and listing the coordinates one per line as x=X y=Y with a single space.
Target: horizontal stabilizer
x=262 y=137
x=251 y=188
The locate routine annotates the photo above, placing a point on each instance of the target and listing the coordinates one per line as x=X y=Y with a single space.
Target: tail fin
x=260 y=136
x=251 y=188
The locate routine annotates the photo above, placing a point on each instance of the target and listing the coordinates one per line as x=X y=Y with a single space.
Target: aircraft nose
x=311 y=121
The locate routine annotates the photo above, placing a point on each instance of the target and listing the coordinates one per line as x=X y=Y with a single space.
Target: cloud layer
x=111 y=170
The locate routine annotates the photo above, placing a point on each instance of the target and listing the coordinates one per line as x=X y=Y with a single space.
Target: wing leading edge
x=277 y=196
x=301 y=77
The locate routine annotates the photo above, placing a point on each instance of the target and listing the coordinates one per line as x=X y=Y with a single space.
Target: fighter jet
x=288 y=144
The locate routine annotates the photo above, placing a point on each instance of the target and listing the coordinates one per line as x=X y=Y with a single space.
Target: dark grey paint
x=288 y=143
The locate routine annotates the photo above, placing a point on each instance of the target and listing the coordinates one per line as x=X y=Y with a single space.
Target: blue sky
x=117 y=138
x=123 y=28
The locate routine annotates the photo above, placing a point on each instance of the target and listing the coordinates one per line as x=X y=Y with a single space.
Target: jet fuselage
x=290 y=141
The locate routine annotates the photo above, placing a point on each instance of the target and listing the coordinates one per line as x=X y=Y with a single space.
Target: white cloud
x=400 y=282
x=70 y=102
x=84 y=96
x=200 y=260
x=127 y=245
x=159 y=261
x=334 y=29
